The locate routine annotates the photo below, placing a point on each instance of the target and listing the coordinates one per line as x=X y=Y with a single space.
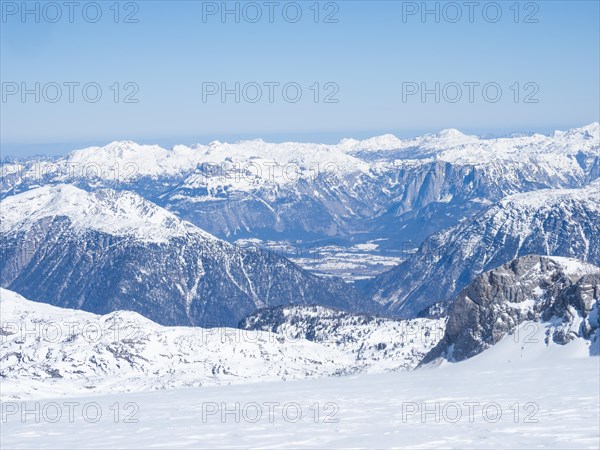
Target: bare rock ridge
x=562 y=292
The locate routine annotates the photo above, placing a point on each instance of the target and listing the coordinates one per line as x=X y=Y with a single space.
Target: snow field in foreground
x=515 y=395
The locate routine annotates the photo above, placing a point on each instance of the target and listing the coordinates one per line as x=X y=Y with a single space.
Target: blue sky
x=369 y=53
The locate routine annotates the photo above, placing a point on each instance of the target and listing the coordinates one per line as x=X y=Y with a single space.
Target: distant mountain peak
x=349 y=155
x=451 y=133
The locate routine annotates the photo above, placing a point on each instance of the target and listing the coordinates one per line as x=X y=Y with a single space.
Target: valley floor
x=518 y=394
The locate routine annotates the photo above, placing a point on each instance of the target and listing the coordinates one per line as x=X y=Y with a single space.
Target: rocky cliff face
x=562 y=292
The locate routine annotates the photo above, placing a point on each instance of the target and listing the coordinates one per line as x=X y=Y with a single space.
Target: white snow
x=453 y=146
x=135 y=159
x=120 y=213
x=575 y=267
x=48 y=351
x=515 y=395
x=247 y=163
x=548 y=198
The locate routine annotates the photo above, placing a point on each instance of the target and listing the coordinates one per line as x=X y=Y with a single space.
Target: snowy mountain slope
x=546 y=222
x=107 y=211
x=48 y=351
x=315 y=191
x=393 y=344
x=104 y=251
x=510 y=396
x=562 y=293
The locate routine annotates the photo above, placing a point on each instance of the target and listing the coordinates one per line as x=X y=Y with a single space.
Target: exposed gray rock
x=563 y=291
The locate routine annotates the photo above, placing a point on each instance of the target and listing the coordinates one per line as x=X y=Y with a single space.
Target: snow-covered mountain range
x=48 y=351
x=400 y=190
x=559 y=222
x=393 y=344
x=108 y=250
x=123 y=231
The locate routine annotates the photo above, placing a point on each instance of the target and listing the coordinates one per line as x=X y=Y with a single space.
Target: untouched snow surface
x=519 y=394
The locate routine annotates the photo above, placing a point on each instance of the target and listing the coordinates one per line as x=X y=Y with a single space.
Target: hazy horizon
x=55 y=149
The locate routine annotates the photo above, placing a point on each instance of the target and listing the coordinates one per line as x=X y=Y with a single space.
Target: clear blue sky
x=369 y=53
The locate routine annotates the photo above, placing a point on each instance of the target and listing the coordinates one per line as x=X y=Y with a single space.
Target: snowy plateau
x=435 y=292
